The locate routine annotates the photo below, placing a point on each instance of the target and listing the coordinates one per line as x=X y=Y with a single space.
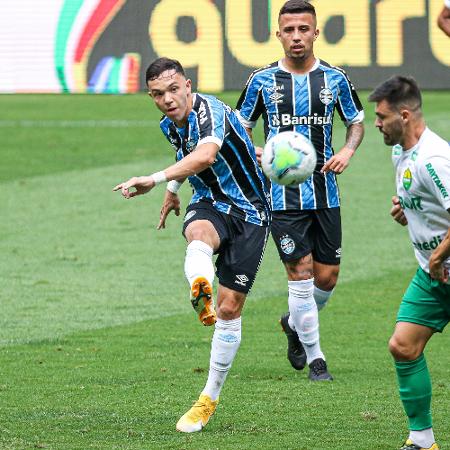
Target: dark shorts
x=426 y=302
x=241 y=247
x=297 y=233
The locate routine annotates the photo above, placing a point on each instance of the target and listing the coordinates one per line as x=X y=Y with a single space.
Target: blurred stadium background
x=99 y=347
x=101 y=45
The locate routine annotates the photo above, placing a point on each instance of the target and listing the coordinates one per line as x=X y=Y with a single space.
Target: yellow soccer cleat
x=197 y=417
x=202 y=302
x=409 y=445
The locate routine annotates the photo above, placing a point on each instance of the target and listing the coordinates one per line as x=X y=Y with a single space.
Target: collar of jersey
x=313 y=68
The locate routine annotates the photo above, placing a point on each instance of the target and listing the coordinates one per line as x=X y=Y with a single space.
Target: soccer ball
x=288 y=158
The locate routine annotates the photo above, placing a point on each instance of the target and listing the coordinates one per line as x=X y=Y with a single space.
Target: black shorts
x=297 y=233
x=241 y=247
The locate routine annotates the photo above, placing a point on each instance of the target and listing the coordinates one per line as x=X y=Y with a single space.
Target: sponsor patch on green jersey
x=437 y=181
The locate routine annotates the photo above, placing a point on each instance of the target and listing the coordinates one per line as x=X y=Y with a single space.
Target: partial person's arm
x=171 y=202
x=340 y=161
x=443 y=19
x=437 y=258
x=197 y=161
x=397 y=211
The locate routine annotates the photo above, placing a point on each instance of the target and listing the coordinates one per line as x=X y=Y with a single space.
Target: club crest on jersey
x=326 y=96
x=287 y=244
x=190 y=144
x=407 y=179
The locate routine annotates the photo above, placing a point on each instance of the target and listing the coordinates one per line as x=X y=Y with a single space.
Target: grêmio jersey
x=306 y=104
x=234 y=183
x=422 y=175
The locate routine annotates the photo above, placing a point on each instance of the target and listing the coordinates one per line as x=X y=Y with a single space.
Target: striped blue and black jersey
x=306 y=104
x=234 y=183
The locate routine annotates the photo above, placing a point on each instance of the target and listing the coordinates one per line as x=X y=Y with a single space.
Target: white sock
x=321 y=297
x=305 y=317
x=198 y=262
x=422 y=438
x=224 y=345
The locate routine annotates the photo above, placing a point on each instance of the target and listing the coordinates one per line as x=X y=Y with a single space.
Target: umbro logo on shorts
x=241 y=279
x=189 y=215
x=338 y=252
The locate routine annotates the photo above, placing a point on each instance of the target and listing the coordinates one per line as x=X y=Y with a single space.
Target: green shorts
x=426 y=302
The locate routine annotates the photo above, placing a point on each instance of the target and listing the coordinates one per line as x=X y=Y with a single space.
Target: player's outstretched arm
x=442 y=252
x=340 y=161
x=203 y=157
x=397 y=211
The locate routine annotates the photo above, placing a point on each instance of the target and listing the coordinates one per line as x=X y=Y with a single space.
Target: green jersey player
x=422 y=163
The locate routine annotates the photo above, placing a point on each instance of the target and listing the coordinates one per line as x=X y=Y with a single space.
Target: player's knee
x=229 y=310
x=326 y=284
x=297 y=271
x=402 y=350
x=326 y=281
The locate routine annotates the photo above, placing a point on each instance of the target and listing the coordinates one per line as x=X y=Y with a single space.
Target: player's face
x=390 y=122
x=297 y=33
x=171 y=93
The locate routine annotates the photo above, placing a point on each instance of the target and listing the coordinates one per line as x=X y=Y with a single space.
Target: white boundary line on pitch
x=77 y=123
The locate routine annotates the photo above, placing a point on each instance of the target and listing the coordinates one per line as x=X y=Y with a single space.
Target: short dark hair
x=160 y=65
x=297 y=7
x=398 y=91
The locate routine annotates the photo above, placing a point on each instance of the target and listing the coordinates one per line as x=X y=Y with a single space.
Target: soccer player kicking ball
x=229 y=213
x=422 y=163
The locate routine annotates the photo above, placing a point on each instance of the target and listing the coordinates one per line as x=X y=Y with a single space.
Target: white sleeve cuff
x=213 y=139
x=245 y=122
x=359 y=118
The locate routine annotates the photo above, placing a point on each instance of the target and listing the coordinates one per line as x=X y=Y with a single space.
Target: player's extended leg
x=406 y=346
x=304 y=315
x=203 y=240
x=325 y=279
x=224 y=345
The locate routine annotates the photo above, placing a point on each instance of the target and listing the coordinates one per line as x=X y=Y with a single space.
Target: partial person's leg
x=327 y=241
x=237 y=264
x=406 y=346
x=224 y=346
x=203 y=241
x=304 y=315
x=226 y=339
x=325 y=279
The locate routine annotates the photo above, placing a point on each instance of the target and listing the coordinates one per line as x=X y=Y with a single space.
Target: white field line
x=107 y=123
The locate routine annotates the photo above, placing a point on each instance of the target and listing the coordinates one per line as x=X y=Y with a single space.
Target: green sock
x=415 y=392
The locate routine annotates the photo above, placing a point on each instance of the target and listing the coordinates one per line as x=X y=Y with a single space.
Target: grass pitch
x=99 y=346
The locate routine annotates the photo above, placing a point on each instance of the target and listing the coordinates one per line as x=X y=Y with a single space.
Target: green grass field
x=99 y=346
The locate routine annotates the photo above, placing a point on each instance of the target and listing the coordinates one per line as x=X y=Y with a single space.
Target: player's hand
x=171 y=202
x=142 y=185
x=437 y=270
x=397 y=212
x=259 y=152
x=338 y=162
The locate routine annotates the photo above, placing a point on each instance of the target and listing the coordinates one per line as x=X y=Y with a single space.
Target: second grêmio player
x=301 y=92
